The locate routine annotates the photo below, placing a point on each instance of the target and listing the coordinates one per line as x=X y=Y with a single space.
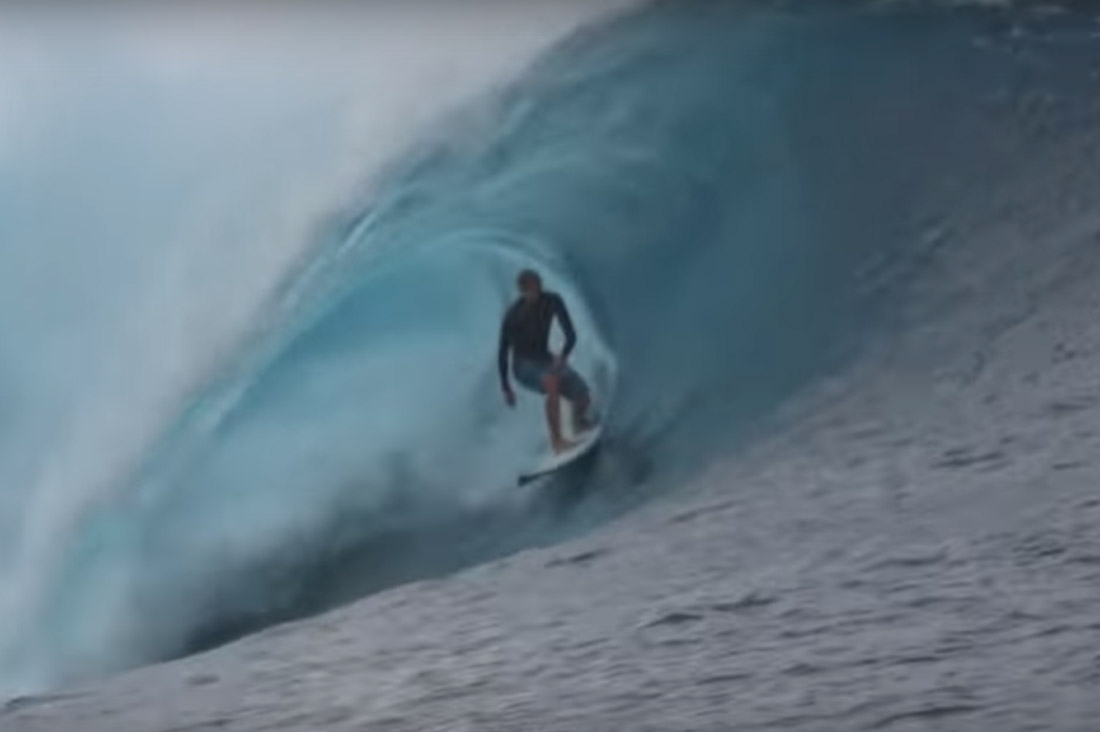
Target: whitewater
x=840 y=263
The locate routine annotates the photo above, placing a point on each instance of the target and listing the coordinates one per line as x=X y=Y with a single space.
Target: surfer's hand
x=559 y=363
x=509 y=396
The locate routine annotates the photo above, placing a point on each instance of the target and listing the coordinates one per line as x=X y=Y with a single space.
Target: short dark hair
x=528 y=277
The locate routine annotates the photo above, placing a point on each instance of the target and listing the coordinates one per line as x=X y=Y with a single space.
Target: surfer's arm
x=567 y=327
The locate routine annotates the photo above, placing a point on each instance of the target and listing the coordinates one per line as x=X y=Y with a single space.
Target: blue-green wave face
x=729 y=200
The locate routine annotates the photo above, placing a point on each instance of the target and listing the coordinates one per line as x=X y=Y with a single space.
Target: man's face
x=529 y=290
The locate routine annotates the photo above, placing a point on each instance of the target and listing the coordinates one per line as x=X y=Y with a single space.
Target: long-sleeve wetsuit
x=526 y=331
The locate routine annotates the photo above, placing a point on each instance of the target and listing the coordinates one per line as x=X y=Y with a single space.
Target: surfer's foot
x=562 y=445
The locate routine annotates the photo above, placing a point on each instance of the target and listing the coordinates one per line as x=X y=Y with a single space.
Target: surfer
x=525 y=332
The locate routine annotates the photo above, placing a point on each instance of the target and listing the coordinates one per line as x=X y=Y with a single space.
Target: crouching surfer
x=525 y=334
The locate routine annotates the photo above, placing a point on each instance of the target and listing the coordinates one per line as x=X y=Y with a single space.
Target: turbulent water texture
x=736 y=202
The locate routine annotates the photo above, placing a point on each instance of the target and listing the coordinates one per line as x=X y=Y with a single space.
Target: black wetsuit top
x=526 y=331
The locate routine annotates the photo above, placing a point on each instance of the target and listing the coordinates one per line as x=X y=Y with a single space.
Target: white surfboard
x=603 y=389
x=554 y=462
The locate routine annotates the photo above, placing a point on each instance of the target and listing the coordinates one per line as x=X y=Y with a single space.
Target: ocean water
x=247 y=321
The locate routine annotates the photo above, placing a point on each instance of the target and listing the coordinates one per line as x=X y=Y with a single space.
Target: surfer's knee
x=551 y=383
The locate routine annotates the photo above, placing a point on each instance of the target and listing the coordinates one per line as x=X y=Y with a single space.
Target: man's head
x=529 y=284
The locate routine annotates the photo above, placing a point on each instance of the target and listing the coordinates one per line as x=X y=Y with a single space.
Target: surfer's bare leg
x=552 y=384
x=581 y=422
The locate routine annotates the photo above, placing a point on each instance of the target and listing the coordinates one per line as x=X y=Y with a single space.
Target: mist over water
x=162 y=172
